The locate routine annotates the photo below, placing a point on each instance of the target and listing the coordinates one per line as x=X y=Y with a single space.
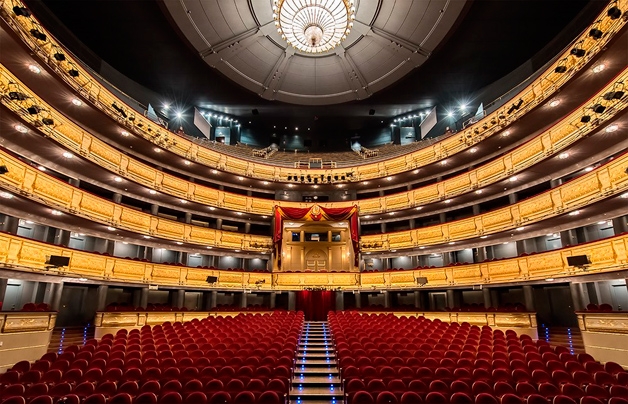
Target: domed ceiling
x=385 y=40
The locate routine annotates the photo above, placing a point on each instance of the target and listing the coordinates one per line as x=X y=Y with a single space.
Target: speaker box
x=212 y=279
x=421 y=280
x=578 y=260
x=58 y=261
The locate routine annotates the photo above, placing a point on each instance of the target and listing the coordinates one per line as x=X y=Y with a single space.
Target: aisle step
x=316 y=377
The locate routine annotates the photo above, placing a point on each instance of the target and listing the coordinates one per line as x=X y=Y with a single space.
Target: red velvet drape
x=315 y=304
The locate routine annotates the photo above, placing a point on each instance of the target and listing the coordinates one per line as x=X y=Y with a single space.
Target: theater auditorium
x=313 y=201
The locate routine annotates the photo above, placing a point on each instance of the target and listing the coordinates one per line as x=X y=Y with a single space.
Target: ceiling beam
x=409 y=50
x=353 y=75
x=275 y=78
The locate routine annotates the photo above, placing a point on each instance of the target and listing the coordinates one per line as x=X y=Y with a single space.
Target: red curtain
x=317 y=213
x=315 y=304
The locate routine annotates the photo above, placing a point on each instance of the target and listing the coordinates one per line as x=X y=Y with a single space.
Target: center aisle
x=316 y=377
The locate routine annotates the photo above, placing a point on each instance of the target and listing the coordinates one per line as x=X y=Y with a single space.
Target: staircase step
x=326 y=380
x=316 y=355
x=315 y=392
x=316 y=349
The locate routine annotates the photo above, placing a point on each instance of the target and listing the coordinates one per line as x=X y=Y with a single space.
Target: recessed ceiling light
x=574 y=213
x=598 y=68
x=125 y=242
x=365 y=182
x=68 y=155
x=563 y=156
x=265 y=183
x=478 y=191
x=146 y=237
x=624 y=195
x=314 y=186
x=419 y=207
x=505 y=243
x=117 y=179
x=452 y=242
x=416 y=171
x=6 y=195
x=157 y=150
x=520 y=228
x=367 y=216
x=179 y=243
x=602 y=222
x=443 y=162
x=588 y=169
x=56 y=212
x=264 y=217
x=111 y=228
x=391 y=213
x=290 y=185
x=152 y=191
x=473 y=149
x=28 y=222
x=612 y=128
x=554 y=103
x=422 y=247
x=186 y=162
x=236 y=250
x=389 y=178
x=34 y=69
x=183 y=201
x=241 y=178
x=124 y=133
x=513 y=178
x=21 y=128
x=77 y=102
x=239 y=213
x=549 y=280
x=506 y=134
x=214 y=171
x=212 y=208
x=447 y=200
x=483 y=236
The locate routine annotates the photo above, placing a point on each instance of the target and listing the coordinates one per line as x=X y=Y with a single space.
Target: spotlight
x=578 y=52
x=37 y=34
x=48 y=121
x=585 y=119
x=613 y=95
x=24 y=12
x=595 y=33
x=17 y=96
x=560 y=69
x=33 y=110
x=3 y=169
x=614 y=13
x=59 y=56
x=598 y=108
x=73 y=73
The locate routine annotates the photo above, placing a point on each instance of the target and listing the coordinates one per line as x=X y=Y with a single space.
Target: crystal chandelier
x=314 y=26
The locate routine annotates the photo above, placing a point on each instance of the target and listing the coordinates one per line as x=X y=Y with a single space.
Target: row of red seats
x=36 y=307
x=424 y=356
x=215 y=356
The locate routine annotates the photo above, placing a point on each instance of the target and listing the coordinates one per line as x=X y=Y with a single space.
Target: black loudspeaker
x=212 y=279
x=371 y=112
x=58 y=261
x=585 y=119
x=595 y=33
x=3 y=169
x=38 y=34
x=33 y=109
x=421 y=280
x=255 y=111
x=613 y=12
x=560 y=69
x=578 y=260
x=59 y=56
x=73 y=73
x=578 y=52
x=24 y=12
x=17 y=96
x=598 y=108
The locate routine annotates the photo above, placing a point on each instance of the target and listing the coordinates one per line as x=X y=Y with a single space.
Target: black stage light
x=48 y=121
x=614 y=12
x=33 y=110
x=585 y=119
x=17 y=96
x=598 y=108
x=73 y=73
x=38 y=34
x=3 y=169
x=560 y=69
x=21 y=11
x=595 y=33
x=59 y=56
x=578 y=52
x=613 y=95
